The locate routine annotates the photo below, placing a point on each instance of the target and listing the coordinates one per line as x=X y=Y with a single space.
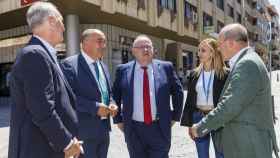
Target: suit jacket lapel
x=214 y=89
x=156 y=73
x=106 y=73
x=86 y=68
x=130 y=82
x=229 y=76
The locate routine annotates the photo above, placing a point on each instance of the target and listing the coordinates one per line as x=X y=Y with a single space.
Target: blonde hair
x=217 y=63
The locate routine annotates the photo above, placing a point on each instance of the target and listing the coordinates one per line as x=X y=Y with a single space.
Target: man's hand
x=113 y=110
x=194 y=131
x=103 y=110
x=120 y=126
x=74 y=150
x=190 y=133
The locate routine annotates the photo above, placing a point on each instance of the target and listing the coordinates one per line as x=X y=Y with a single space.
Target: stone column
x=72 y=34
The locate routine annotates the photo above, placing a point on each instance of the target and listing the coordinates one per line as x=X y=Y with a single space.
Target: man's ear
x=231 y=43
x=52 y=20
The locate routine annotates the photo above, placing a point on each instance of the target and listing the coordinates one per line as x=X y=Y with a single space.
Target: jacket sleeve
x=84 y=104
x=240 y=91
x=186 y=119
x=117 y=95
x=38 y=81
x=177 y=94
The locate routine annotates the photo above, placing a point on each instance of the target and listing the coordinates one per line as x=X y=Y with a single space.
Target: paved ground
x=182 y=145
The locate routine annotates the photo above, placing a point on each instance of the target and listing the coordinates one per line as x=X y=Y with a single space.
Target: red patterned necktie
x=146 y=98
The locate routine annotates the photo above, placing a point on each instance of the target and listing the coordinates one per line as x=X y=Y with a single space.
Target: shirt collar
x=88 y=59
x=233 y=59
x=138 y=66
x=50 y=48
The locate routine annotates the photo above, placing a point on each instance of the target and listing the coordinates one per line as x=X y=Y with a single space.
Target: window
x=230 y=11
x=207 y=20
x=254 y=21
x=220 y=4
x=220 y=25
x=163 y=3
x=168 y=4
x=239 y=19
x=207 y=23
x=190 y=15
x=172 y=5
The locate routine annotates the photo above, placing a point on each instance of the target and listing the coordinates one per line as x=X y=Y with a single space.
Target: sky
x=276 y=3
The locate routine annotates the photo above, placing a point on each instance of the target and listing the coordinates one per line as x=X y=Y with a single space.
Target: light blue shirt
x=50 y=48
x=138 y=111
x=90 y=62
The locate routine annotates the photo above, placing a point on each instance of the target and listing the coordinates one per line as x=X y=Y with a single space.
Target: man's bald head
x=94 y=43
x=90 y=32
x=235 y=32
x=232 y=39
x=140 y=38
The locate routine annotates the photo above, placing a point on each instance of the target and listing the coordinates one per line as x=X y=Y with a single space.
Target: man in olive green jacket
x=244 y=112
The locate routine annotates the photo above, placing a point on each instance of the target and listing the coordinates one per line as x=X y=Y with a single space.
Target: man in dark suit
x=43 y=117
x=90 y=80
x=144 y=87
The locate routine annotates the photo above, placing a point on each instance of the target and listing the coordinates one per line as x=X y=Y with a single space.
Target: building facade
x=175 y=26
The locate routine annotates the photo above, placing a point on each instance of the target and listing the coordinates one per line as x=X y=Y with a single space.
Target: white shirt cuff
x=69 y=145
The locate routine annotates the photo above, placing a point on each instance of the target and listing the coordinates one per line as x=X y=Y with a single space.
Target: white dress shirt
x=201 y=96
x=233 y=59
x=138 y=112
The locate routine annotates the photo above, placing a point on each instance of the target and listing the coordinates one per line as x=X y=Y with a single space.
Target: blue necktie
x=102 y=84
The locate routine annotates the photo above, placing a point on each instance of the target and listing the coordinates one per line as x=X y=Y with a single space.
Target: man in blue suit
x=43 y=118
x=90 y=80
x=144 y=87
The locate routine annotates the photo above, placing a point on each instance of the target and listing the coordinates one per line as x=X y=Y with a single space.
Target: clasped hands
x=104 y=110
x=74 y=150
x=193 y=131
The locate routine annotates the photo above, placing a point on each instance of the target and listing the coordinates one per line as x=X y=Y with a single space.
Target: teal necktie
x=102 y=84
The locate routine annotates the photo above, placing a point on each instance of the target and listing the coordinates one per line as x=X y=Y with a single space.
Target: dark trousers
x=202 y=143
x=147 y=141
x=96 y=148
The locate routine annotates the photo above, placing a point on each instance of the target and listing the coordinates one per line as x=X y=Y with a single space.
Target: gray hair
x=86 y=33
x=141 y=37
x=38 y=13
x=235 y=32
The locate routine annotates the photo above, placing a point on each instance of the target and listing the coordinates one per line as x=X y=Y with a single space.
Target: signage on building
x=26 y=2
x=209 y=29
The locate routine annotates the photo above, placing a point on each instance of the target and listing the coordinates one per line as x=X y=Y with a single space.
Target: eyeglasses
x=145 y=48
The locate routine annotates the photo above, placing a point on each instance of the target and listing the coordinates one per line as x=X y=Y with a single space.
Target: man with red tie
x=143 y=87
